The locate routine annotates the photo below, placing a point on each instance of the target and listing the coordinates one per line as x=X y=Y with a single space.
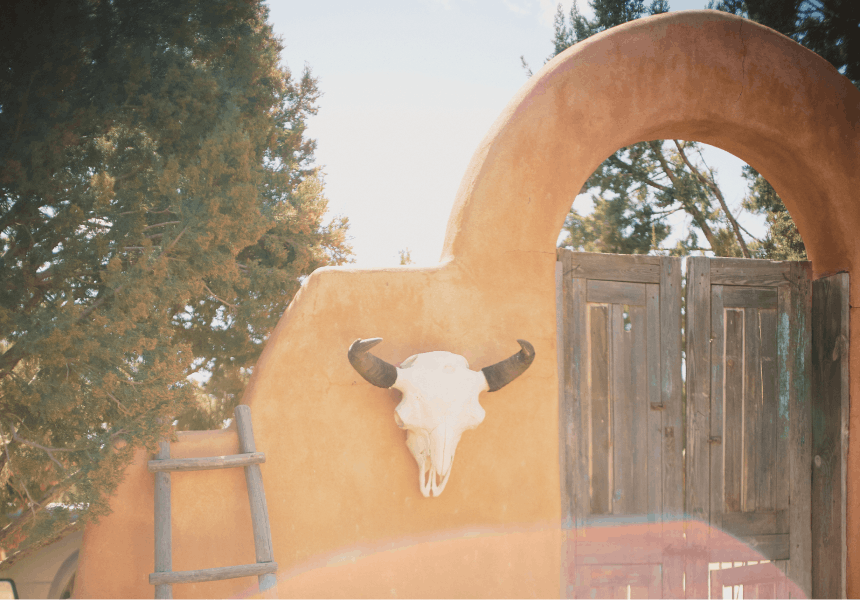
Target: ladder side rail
x=163 y=533
x=257 y=499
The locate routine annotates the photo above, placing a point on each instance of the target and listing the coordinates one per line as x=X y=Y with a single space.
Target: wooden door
x=829 y=434
x=620 y=350
x=766 y=356
x=749 y=451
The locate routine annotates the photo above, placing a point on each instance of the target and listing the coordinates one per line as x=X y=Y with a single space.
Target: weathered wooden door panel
x=620 y=415
x=748 y=408
x=620 y=390
x=829 y=434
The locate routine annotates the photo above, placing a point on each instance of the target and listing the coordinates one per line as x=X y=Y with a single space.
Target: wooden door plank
x=655 y=406
x=576 y=394
x=600 y=465
x=567 y=374
x=766 y=473
x=698 y=410
x=616 y=292
x=783 y=422
x=672 y=416
x=698 y=383
x=621 y=415
x=752 y=406
x=717 y=502
x=783 y=429
x=754 y=523
x=769 y=546
x=581 y=391
x=566 y=423
x=749 y=297
x=772 y=546
x=800 y=442
x=671 y=386
x=614 y=267
x=830 y=368
x=742 y=271
x=573 y=421
x=734 y=396
x=566 y=462
x=640 y=471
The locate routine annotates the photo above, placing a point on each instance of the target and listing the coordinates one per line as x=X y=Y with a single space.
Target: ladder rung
x=207 y=463
x=216 y=574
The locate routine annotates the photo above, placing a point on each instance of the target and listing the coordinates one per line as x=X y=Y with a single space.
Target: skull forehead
x=435 y=361
x=439 y=380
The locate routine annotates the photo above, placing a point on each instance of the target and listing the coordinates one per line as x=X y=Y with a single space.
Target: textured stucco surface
x=340 y=482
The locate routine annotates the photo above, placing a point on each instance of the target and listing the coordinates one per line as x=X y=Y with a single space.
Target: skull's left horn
x=502 y=373
x=373 y=369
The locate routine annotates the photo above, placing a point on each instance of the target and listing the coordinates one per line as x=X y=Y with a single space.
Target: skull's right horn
x=502 y=373
x=373 y=369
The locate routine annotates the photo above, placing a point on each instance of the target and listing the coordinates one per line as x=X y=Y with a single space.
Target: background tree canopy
x=158 y=211
x=637 y=188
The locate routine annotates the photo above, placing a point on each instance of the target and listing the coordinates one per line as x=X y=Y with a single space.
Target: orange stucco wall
x=341 y=485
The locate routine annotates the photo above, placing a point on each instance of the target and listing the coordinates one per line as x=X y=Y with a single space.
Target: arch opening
x=680 y=198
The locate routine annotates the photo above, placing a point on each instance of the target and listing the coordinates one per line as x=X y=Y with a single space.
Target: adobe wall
x=346 y=512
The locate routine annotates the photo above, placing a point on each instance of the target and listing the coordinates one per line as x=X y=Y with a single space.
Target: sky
x=409 y=89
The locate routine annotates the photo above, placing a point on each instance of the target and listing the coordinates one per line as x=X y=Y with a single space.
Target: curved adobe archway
x=695 y=75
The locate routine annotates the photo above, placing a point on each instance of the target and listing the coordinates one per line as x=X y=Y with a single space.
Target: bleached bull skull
x=440 y=400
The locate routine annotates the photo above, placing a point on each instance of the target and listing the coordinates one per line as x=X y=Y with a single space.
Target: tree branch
x=224 y=302
x=697 y=215
x=629 y=168
x=173 y=243
x=48 y=450
x=745 y=230
x=118 y=403
x=716 y=190
x=162 y=224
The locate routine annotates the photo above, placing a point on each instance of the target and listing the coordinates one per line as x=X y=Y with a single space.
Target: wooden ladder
x=265 y=567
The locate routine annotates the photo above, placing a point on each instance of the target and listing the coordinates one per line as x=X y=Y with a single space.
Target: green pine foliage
x=159 y=208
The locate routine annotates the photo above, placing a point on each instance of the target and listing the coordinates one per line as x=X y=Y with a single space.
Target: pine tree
x=159 y=207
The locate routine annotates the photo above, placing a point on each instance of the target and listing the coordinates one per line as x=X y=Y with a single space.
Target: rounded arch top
x=694 y=75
